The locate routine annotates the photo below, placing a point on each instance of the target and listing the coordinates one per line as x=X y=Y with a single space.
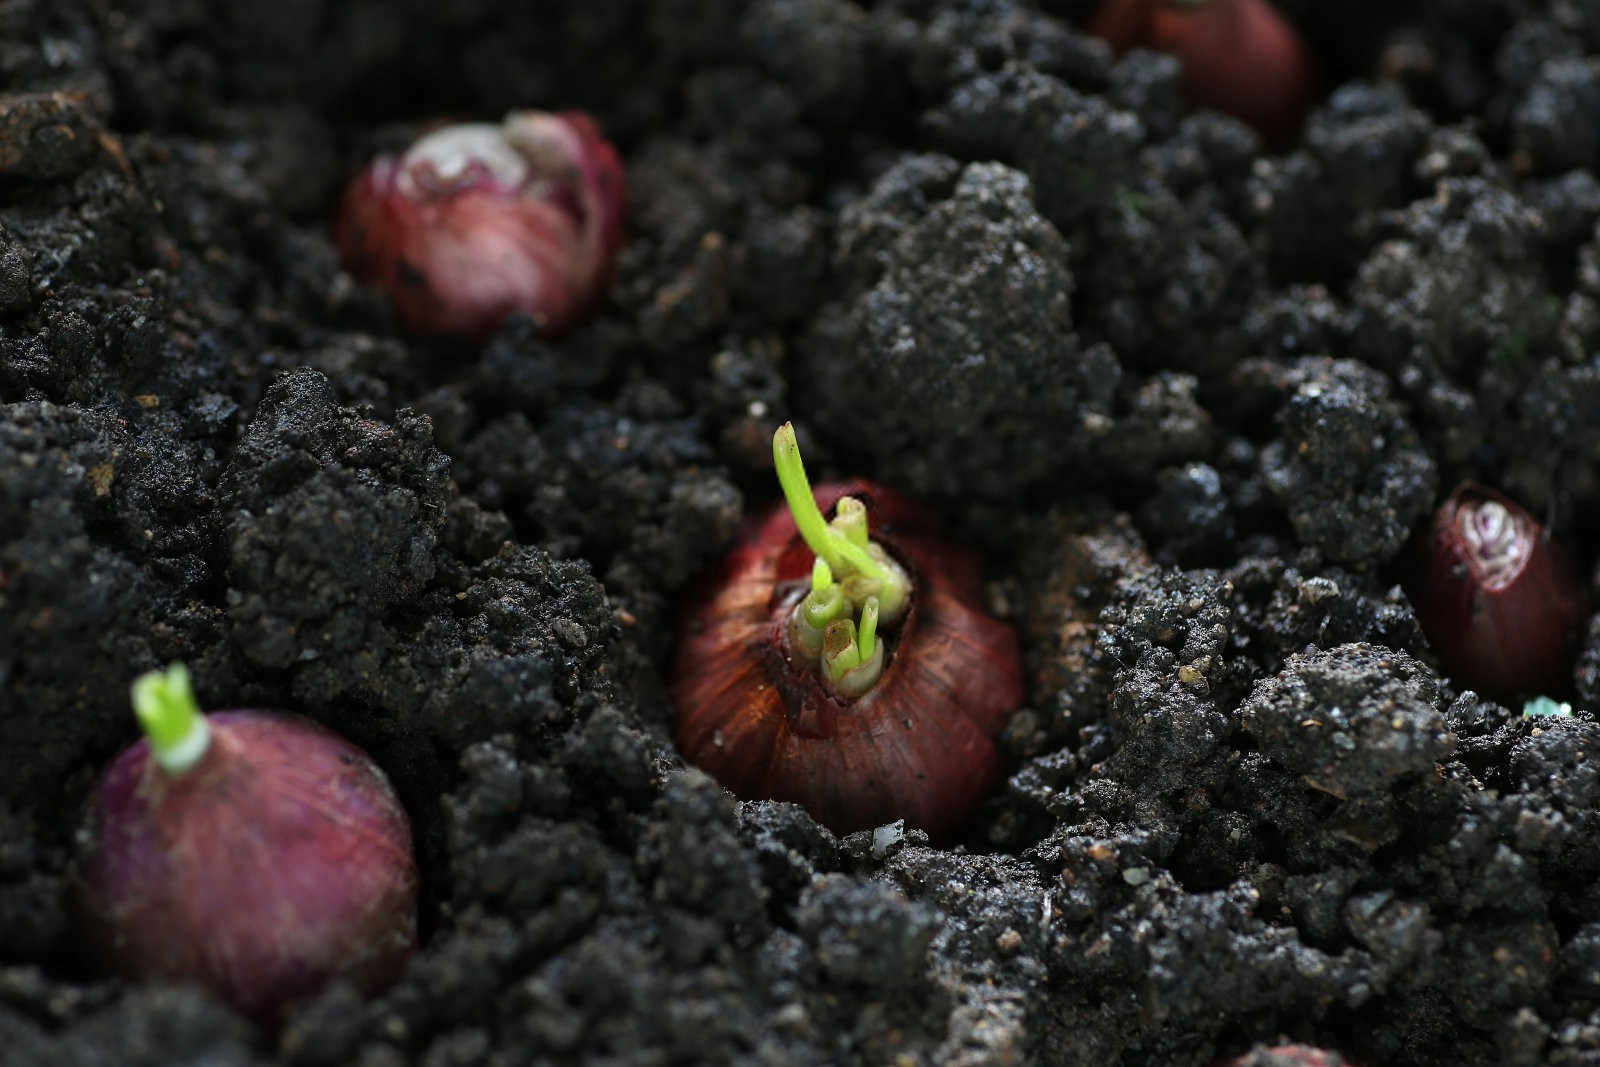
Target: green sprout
x=851 y=574
x=845 y=555
x=822 y=608
x=840 y=651
x=1544 y=707
x=850 y=519
x=170 y=716
x=821 y=575
x=825 y=602
x=869 y=627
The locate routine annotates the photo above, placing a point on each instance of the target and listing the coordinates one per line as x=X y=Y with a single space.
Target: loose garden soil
x=1191 y=396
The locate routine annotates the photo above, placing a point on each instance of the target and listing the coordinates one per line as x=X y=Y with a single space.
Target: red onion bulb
x=477 y=221
x=1501 y=602
x=1240 y=57
x=851 y=671
x=251 y=852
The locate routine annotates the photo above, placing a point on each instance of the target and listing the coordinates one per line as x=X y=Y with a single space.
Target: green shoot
x=850 y=519
x=821 y=608
x=852 y=667
x=821 y=575
x=843 y=555
x=1542 y=707
x=170 y=716
x=852 y=573
x=867 y=632
x=839 y=649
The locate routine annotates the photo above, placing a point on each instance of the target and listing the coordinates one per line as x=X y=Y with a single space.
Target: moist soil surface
x=1190 y=396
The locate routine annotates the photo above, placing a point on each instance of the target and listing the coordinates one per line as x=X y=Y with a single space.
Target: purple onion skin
x=278 y=862
x=1501 y=603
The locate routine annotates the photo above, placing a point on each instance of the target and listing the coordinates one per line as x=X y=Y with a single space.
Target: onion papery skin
x=1502 y=631
x=919 y=746
x=282 y=860
x=461 y=260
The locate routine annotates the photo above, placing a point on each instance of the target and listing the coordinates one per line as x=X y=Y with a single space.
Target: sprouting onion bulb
x=855 y=584
x=846 y=663
x=252 y=852
x=480 y=220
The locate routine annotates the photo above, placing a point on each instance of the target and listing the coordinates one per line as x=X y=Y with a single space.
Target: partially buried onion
x=850 y=671
x=1239 y=57
x=1501 y=603
x=477 y=221
x=251 y=852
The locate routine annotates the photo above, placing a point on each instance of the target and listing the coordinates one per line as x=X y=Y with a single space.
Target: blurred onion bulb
x=1501 y=602
x=251 y=852
x=475 y=222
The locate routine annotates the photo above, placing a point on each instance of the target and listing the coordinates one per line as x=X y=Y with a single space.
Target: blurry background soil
x=1189 y=395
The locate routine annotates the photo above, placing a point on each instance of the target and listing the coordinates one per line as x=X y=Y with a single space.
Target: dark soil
x=1192 y=397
